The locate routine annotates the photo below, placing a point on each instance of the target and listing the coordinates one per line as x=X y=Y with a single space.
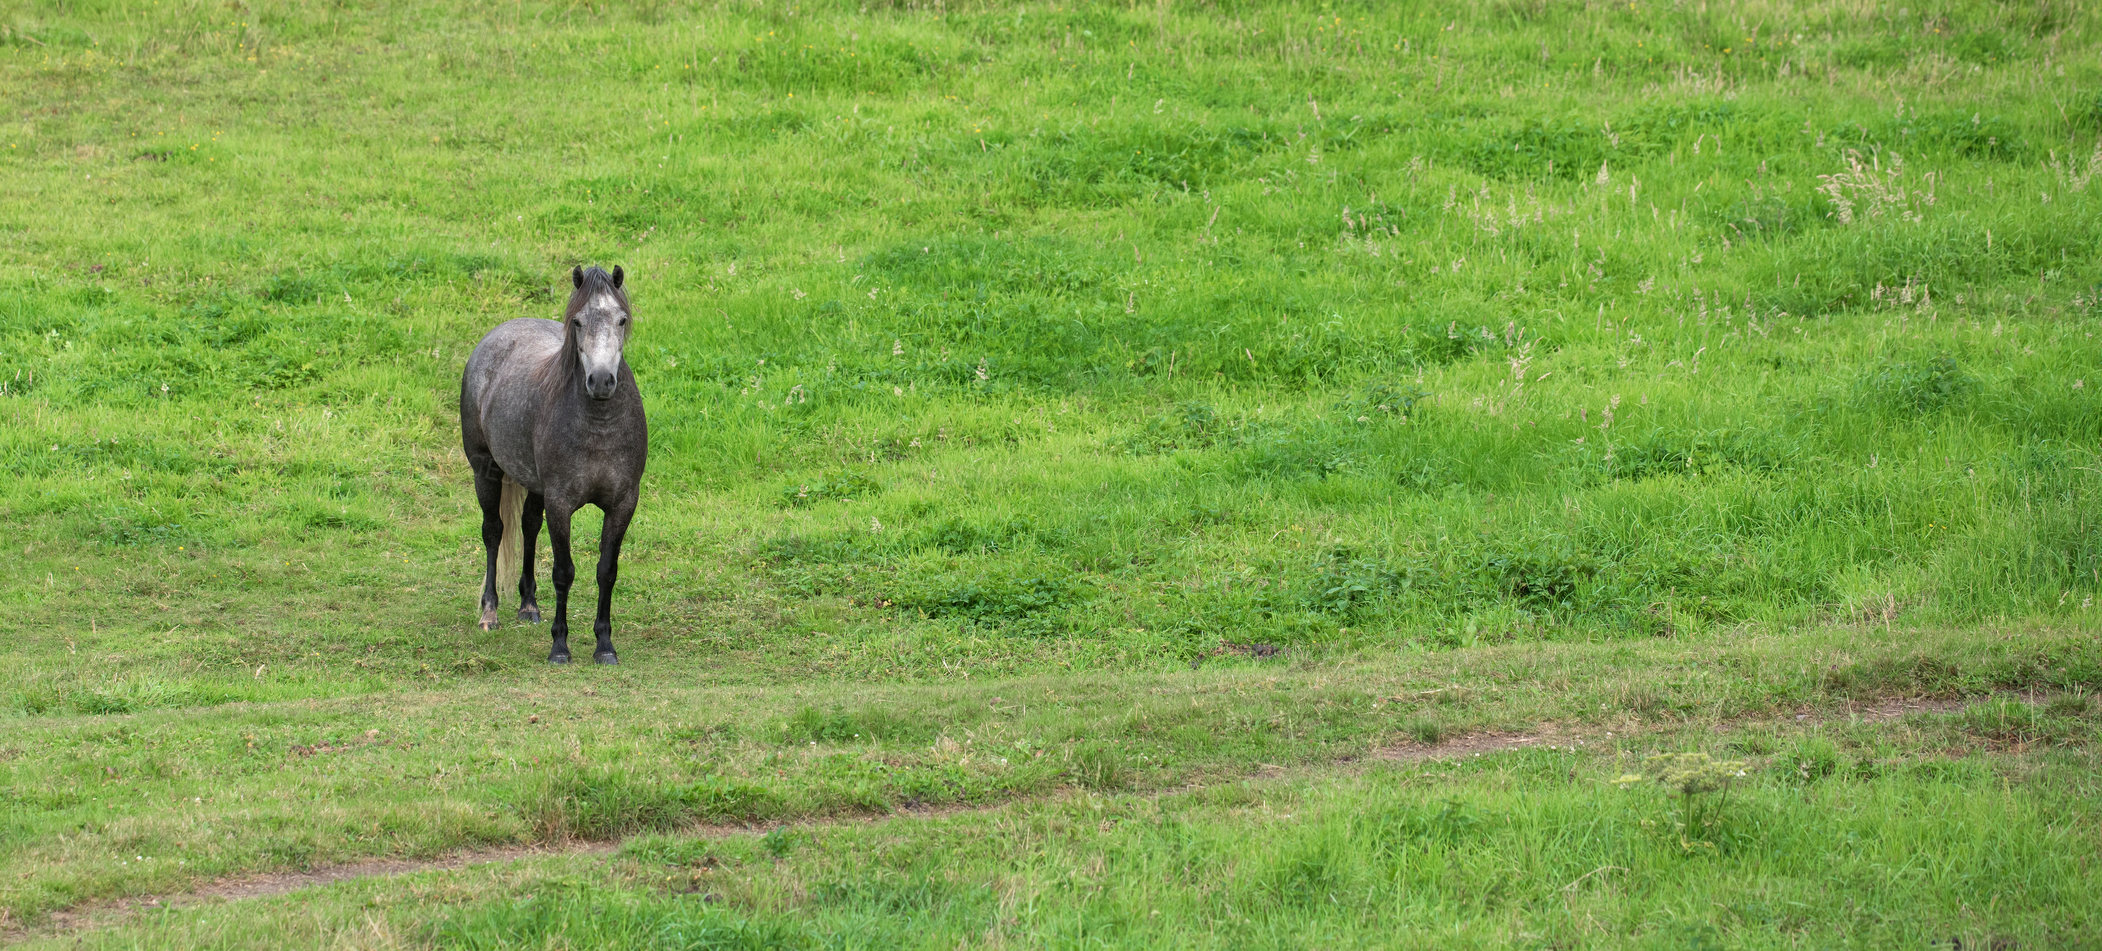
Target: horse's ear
x=576 y=275
x=616 y=275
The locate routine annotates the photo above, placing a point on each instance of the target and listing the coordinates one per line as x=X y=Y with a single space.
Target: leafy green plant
x=1543 y=574
x=1344 y=581
x=779 y=841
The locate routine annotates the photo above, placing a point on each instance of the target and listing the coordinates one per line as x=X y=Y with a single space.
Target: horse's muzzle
x=599 y=385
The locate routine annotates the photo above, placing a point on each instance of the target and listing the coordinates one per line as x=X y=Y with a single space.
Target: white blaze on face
x=602 y=330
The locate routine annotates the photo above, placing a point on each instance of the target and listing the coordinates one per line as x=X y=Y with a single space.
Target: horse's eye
x=624 y=321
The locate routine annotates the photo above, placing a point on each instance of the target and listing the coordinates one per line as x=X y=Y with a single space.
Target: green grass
x=1525 y=848
x=1057 y=401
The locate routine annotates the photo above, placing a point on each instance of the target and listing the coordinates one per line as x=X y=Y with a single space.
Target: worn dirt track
x=1550 y=735
x=106 y=914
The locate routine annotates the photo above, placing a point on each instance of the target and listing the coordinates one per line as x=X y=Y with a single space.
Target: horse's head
x=597 y=322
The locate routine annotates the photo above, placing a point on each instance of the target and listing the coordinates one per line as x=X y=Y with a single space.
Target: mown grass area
x=1218 y=372
x=151 y=802
x=1905 y=834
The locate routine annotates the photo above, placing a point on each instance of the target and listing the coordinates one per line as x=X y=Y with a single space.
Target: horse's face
x=601 y=331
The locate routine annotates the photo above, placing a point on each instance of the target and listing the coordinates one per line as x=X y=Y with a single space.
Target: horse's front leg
x=565 y=572
x=608 y=571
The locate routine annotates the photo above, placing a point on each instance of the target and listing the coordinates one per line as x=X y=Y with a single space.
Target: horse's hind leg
x=489 y=491
x=616 y=528
x=529 y=528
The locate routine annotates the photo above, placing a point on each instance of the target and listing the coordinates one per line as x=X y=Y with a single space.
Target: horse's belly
x=518 y=467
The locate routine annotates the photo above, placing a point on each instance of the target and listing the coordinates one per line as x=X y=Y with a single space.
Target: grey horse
x=551 y=421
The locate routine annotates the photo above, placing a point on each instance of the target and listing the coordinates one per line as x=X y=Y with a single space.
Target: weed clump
x=1345 y=581
x=1100 y=766
x=869 y=725
x=1021 y=602
x=1918 y=386
x=2012 y=722
x=818 y=563
x=1192 y=425
x=1693 y=454
x=1316 y=449
x=2087 y=114
x=957 y=536
x=1548 y=574
x=606 y=801
x=124 y=525
x=1381 y=400
x=844 y=487
x=1812 y=759
x=1699 y=784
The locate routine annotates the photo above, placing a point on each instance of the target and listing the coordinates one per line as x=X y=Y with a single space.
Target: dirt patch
x=109 y=914
x=279 y=883
x=1547 y=735
x=264 y=886
x=1471 y=744
x=1551 y=735
x=1894 y=709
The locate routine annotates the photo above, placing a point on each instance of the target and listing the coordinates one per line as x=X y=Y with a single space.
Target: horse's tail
x=511 y=508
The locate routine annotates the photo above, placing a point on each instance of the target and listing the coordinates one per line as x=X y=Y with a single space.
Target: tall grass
x=1495 y=342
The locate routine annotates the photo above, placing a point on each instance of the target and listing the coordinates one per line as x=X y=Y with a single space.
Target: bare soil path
x=1552 y=734
x=107 y=914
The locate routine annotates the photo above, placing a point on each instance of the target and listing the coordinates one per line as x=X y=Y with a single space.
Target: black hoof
x=606 y=657
x=529 y=614
x=558 y=658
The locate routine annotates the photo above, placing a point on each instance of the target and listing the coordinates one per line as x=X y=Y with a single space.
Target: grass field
x=1099 y=451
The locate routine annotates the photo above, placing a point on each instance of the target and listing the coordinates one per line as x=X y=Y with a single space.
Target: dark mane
x=590 y=282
